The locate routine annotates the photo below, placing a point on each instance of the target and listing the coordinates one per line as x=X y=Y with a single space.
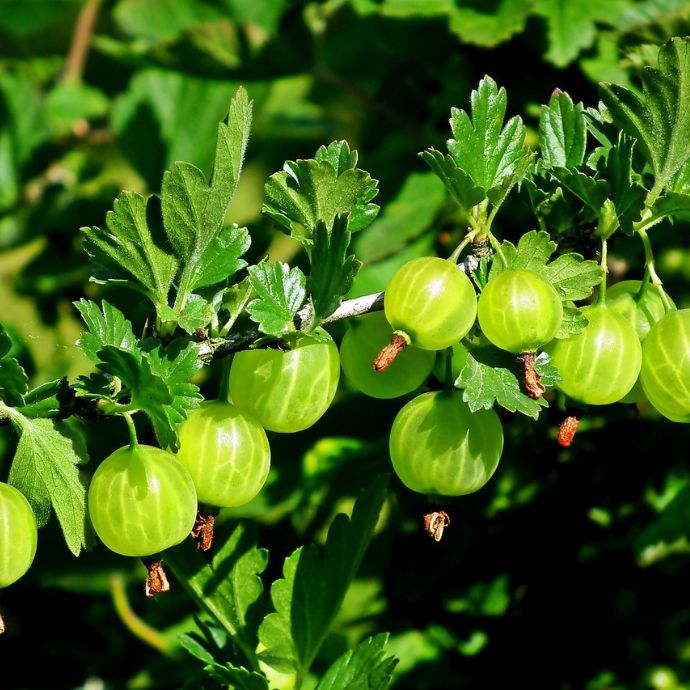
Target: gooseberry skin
x=599 y=365
x=226 y=452
x=432 y=301
x=18 y=535
x=286 y=390
x=359 y=348
x=665 y=373
x=438 y=446
x=141 y=501
x=642 y=311
x=519 y=311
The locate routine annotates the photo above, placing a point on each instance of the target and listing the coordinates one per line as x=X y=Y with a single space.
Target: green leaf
x=228 y=587
x=14 y=383
x=659 y=119
x=47 y=399
x=366 y=667
x=281 y=291
x=488 y=375
x=46 y=470
x=196 y=314
x=134 y=248
x=307 y=192
x=572 y=277
x=489 y=152
x=333 y=270
x=193 y=211
x=573 y=321
x=149 y=393
x=593 y=192
x=176 y=364
x=5 y=342
x=107 y=326
x=562 y=132
x=572 y=25
x=226 y=249
x=458 y=182
x=314 y=584
x=237 y=678
x=475 y=24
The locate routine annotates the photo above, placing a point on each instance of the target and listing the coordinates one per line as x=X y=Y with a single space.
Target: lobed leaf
x=562 y=132
x=228 y=587
x=280 y=291
x=366 y=667
x=313 y=586
x=107 y=326
x=46 y=470
x=658 y=119
x=333 y=270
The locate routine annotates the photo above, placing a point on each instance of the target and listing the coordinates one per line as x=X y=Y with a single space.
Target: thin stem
x=496 y=246
x=133 y=442
x=448 y=379
x=469 y=237
x=133 y=623
x=649 y=268
x=604 y=272
x=79 y=47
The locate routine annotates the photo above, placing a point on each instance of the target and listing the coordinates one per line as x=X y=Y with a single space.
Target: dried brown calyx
x=567 y=431
x=156 y=580
x=202 y=532
x=387 y=356
x=435 y=523
x=530 y=376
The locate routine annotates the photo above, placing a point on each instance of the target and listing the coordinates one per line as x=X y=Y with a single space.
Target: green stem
x=496 y=246
x=469 y=237
x=651 y=270
x=604 y=273
x=133 y=623
x=448 y=380
x=133 y=442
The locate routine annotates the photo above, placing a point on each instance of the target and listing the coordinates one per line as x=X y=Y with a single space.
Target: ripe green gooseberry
x=18 y=535
x=665 y=373
x=359 y=347
x=599 y=365
x=226 y=452
x=431 y=303
x=642 y=309
x=287 y=390
x=438 y=446
x=519 y=311
x=141 y=501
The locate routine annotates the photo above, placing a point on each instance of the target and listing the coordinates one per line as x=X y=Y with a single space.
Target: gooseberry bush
x=507 y=328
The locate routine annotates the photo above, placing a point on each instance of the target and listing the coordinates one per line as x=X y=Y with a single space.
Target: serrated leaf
x=237 y=678
x=458 y=182
x=659 y=119
x=366 y=667
x=533 y=251
x=307 y=192
x=314 y=584
x=593 y=192
x=280 y=291
x=562 y=132
x=134 y=247
x=487 y=376
x=14 y=383
x=228 y=587
x=194 y=211
x=333 y=270
x=547 y=372
x=486 y=149
x=149 y=393
x=572 y=276
x=196 y=314
x=46 y=400
x=573 y=321
x=175 y=364
x=107 y=326
x=226 y=249
x=671 y=204
x=46 y=470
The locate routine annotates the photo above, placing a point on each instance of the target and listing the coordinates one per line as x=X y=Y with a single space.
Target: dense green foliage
x=191 y=196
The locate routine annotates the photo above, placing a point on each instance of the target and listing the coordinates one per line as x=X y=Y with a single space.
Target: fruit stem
x=496 y=246
x=132 y=622
x=448 y=380
x=469 y=237
x=399 y=341
x=133 y=442
x=604 y=272
x=651 y=270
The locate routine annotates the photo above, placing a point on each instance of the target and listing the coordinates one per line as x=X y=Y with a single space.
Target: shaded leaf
x=107 y=326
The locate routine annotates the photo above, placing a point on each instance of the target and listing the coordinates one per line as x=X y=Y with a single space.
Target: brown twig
x=79 y=46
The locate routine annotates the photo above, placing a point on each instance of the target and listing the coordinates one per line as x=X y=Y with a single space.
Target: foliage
x=217 y=176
